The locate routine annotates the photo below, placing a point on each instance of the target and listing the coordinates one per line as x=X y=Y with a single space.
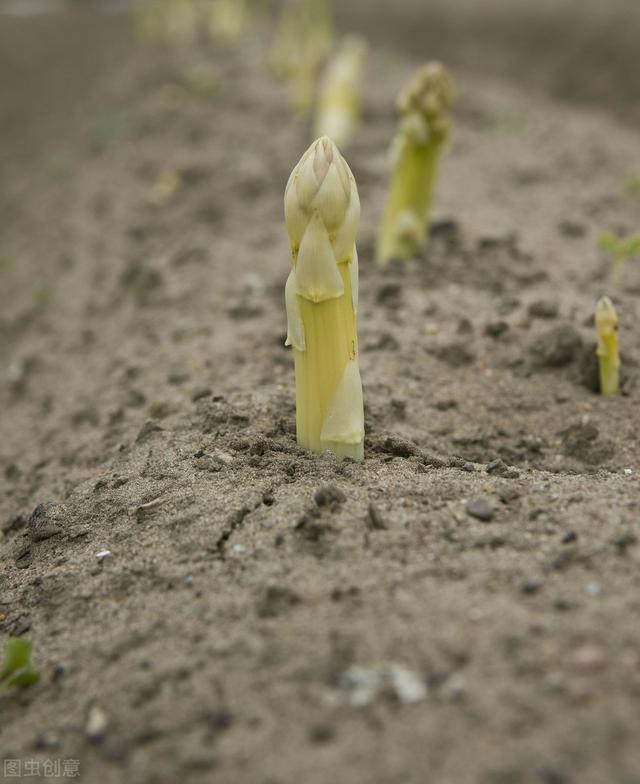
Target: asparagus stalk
x=424 y=129
x=322 y=213
x=607 y=351
x=340 y=101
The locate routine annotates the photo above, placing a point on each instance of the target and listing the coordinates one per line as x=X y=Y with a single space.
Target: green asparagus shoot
x=425 y=126
x=607 y=351
x=620 y=250
x=16 y=669
x=322 y=212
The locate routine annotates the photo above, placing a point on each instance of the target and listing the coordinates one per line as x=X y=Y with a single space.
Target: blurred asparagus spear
x=322 y=213
x=424 y=129
x=607 y=351
x=285 y=49
x=227 y=20
x=302 y=42
x=340 y=97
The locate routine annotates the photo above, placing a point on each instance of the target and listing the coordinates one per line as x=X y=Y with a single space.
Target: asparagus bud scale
x=322 y=213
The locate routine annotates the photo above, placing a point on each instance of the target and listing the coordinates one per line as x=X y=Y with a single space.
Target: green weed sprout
x=425 y=126
x=620 y=251
x=607 y=351
x=16 y=669
x=42 y=295
x=632 y=185
x=340 y=97
x=322 y=213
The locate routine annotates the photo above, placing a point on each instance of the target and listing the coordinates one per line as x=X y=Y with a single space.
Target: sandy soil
x=254 y=593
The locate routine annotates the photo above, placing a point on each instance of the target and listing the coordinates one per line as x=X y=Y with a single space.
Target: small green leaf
x=23 y=679
x=633 y=246
x=16 y=671
x=16 y=656
x=610 y=243
x=632 y=185
x=42 y=295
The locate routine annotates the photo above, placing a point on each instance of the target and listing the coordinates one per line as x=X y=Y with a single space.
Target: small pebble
x=481 y=508
x=495 y=329
x=375 y=521
x=96 y=726
x=16 y=371
x=409 y=687
x=543 y=309
x=499 y=468
x=532 y=586
x=46 y=741
x=589 y=659
x=322 y=733
x=103 y=554
x=454 y=688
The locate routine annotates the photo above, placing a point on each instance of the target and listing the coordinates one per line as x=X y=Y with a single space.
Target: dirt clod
x=583 y=442
x=330 y=496
x=557 y=347
x=46 y=521
x=375 y=520
x=481 y=508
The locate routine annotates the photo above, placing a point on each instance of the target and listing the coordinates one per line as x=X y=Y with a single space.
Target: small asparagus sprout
x=424 y=130
x=339 y=101
x=620 y=251
x=227 y=20
x=322 y=213
x=607 y=351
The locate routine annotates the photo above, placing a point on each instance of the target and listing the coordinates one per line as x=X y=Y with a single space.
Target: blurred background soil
x=463 y=606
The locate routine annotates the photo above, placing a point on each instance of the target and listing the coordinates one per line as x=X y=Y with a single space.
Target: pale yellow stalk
x=424 y=130
x=322 y=212
x=340 y=97
x=607 y=351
